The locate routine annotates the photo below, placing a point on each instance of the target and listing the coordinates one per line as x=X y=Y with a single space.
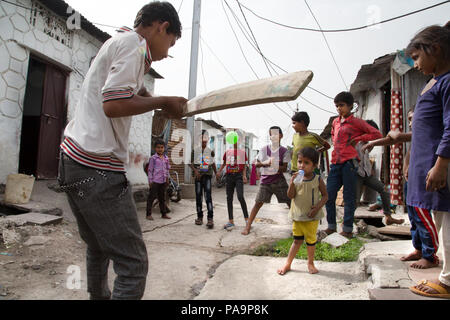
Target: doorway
x=44 y=117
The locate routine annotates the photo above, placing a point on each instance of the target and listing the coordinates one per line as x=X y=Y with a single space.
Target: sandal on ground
x=210 y=224
x=229 y=226
x=149 y=217
x=443 y=293
x=199 y=221
x=165 y=216
x=329 y=231
x=348 y=235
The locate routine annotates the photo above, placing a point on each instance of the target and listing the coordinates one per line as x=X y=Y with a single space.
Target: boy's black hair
x=373 y=124
x=345 y=97
x=159 y=142
x=310 y=153
x=426 y=39
x=274 y=128
x=301 y=116
x=160 y=12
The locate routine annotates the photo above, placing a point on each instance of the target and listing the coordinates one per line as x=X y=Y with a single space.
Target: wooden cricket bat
x=275 y=89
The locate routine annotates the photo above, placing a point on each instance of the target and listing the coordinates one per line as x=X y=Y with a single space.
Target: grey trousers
x=107 y=221
x=375 y=184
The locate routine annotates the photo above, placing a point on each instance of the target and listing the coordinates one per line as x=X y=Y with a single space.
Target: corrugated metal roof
x=373 y=76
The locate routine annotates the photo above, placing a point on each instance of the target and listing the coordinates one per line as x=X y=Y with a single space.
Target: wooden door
x=52 y=122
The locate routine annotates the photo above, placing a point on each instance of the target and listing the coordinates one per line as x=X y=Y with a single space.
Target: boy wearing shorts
x=273 y=160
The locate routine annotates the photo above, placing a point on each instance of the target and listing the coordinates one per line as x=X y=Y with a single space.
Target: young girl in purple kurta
x=428 y=187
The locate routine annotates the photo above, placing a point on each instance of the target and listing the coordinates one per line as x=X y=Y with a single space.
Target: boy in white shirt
x=95 y=150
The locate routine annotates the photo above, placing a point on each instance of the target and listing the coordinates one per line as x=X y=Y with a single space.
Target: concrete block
x=37 y=241
x=39 y=207
x=335 y=240
x=396 y=230
x=38 y=218
x=14 y=79
x=7 y=30
x=387 y=271
x=11 y=237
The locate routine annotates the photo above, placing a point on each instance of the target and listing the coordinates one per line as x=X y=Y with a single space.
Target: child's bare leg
x=252 y=217
x=292 y=253
x=311 y=267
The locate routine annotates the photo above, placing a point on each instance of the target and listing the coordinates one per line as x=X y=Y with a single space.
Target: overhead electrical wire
x=328 y=45
x=257 y=48
x=179 y=8
x=228 y=71
x=245 y=57
x=271 y=63
x=347 y=29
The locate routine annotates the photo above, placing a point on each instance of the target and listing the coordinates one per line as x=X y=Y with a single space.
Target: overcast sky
x=221 y=62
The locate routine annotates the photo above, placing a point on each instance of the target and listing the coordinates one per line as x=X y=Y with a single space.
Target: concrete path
x=188 y=262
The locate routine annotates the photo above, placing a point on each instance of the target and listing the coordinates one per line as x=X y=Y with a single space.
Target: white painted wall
x=18 y=39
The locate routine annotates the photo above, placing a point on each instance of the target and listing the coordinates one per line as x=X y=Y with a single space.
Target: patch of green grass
x=324 y=252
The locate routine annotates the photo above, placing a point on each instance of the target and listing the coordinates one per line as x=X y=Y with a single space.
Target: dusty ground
x=39 y=271
x=185 y=261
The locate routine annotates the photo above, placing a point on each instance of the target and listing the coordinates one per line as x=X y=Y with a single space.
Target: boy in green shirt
x=303 y=138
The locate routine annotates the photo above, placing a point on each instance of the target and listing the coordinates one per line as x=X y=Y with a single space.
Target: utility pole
x=193 y=76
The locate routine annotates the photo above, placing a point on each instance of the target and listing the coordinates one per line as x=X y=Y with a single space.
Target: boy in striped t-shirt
x=95 y=150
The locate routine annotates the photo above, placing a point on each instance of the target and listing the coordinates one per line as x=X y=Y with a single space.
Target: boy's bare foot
x=149 y=217
x=424 y=264
x=390 y=220
x=246 y=231
x=312 y=268
x=284 y=270
x=413 y=256
x=165 y=216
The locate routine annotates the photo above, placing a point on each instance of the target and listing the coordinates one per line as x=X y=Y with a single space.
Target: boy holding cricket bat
x=95 y=150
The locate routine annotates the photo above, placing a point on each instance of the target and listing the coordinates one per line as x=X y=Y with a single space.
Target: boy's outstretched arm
x=393 y=137
x=172 y=106
x=369 y=132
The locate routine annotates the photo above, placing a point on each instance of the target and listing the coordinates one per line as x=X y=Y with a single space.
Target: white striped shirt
x=92 y=138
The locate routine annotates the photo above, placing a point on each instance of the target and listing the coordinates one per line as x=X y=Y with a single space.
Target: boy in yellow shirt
x=303 y=138
x=306 y=208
